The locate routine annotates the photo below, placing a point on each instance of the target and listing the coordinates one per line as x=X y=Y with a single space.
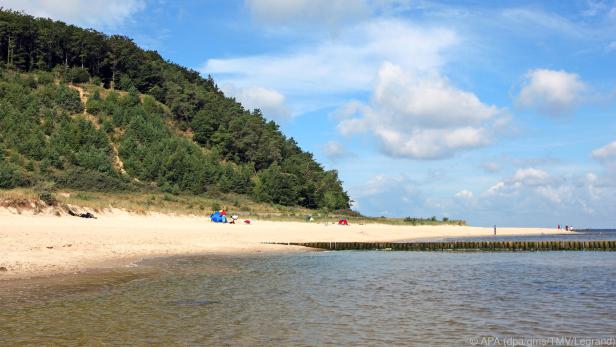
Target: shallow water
x=320 y=298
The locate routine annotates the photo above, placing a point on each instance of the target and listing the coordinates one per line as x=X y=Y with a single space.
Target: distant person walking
x=494 y=229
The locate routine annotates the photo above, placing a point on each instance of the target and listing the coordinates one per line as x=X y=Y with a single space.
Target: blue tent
x=217 y=217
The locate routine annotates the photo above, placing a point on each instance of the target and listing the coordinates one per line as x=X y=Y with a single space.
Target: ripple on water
x=339 y=298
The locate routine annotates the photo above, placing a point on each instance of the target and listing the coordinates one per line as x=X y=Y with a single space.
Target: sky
x=493 y=112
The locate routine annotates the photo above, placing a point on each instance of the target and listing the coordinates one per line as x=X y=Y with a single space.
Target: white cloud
x=430 y=143
x=524 y=198
x=391 y=195
x=595 y=8
x=556 y=194
x=606 y=152
x=521 y=181
x=540 y=23
x=551 y=92
x=530 y=176
x=464 y=198
x=335 y=150
x=318 y=75
x=327 y=14
x=496 y=188
x=348 y=110
x=464 y=194
x=422 y=118
x=270 y=102
x=531 y=194
x=94 y=13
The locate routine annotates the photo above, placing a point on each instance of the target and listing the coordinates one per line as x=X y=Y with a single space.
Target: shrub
x=29 y=81
x=48 y=197
x=94 y=106
x=97 y=81
x=169 y=197
x=46 y=192
x=84 y=179
x=68 y=99
x=12 y=176
x=78 y=75
x=125 y=83
x=83 y=196
x=44 y=77
x=215 y=206
x=107 y=126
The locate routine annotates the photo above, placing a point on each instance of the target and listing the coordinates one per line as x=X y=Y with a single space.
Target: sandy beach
x=44 y=244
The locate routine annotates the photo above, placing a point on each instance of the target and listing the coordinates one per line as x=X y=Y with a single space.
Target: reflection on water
x=323 y=298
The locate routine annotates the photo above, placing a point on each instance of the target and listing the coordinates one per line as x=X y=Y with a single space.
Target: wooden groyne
x=487 y=246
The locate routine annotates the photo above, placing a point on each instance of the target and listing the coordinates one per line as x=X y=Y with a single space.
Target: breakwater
x=488 y=246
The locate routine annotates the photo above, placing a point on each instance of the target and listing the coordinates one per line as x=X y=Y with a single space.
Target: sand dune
x=33 y=245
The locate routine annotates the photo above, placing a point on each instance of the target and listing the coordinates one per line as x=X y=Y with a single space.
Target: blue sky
x=495 y=112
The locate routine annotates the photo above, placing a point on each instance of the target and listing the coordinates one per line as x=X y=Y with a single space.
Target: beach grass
x=199 y=205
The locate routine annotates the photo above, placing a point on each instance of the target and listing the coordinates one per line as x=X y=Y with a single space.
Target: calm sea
x=320 y=299
x=580 y=235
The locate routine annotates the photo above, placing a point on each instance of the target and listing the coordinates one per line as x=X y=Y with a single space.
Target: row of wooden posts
x=489 y=246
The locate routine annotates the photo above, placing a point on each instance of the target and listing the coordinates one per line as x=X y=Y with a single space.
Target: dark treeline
x=183 y=135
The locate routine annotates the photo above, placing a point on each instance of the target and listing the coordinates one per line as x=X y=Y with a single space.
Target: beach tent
x=343 y=222
x=218 y=217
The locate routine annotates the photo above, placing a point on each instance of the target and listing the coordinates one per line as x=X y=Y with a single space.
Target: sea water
x=321 y=298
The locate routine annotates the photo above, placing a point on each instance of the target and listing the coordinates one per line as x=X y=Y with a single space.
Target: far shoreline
x=35 y=245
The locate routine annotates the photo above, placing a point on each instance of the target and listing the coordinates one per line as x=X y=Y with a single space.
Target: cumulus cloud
x=335 y=150
x=606 y=152
x=530 y=176
x=522 y=178
x=526 y=197
x=94 y=13
x=319 y=75
x=391 y=195
x=495 y=189
x=531 y=194
x=422 y=117
x=551 y=92
x=464 y=198
x=538 y=189
x=271 y=103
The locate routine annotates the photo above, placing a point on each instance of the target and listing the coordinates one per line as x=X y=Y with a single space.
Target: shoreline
x=39 y=245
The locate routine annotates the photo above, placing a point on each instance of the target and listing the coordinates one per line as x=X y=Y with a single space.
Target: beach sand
x=44 y=244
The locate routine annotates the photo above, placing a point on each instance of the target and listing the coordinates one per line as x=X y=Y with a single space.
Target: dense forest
x=83 y=110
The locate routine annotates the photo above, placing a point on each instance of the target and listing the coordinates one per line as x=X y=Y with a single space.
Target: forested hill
x=88 y=111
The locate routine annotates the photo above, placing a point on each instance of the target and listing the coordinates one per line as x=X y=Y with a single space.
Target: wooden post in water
x=489 y=246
